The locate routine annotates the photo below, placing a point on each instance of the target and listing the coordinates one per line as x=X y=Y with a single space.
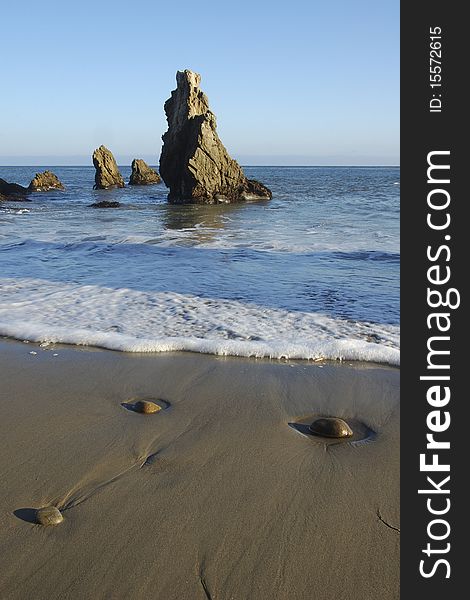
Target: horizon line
x=242 y=165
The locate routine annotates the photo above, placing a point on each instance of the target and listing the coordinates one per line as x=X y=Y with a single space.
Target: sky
x=299 y=83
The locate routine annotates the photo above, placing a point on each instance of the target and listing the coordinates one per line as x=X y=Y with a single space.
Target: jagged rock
x=142 y=174
x=194 y=163
x=43 y=182
x=107 y=173
x=105 y=204
x=12 y=191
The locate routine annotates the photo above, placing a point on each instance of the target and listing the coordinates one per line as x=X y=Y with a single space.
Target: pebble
x=146 y=407
x=331 y=427
x=49 y=515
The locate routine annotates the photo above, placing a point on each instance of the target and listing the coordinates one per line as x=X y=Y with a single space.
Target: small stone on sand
x=331 y=427
x=49 y=515
x=146 y=407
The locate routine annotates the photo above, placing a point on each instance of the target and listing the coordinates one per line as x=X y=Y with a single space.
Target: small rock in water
x=12 y=191
x=146 y=407
x=49 y=515
x=142 y=174
x=331 y=427
x=106 y=204
x=43 y=182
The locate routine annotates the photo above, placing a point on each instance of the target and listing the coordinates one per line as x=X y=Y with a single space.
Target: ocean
x=311 y=274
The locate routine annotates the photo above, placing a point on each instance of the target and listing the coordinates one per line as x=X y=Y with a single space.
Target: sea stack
x=43 y=182
x=107 y=173
x=194 y=163
x=142 y=174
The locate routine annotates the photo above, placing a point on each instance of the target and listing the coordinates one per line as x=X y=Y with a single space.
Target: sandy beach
x=214 y=497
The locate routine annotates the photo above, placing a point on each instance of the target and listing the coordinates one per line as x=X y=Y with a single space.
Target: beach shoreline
x=214 y=496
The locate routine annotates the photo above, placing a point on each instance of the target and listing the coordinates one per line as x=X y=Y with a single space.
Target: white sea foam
x=16 y=211
x=137 y=321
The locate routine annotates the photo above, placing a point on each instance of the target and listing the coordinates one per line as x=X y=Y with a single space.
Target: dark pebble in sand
x=146 y=407
x=332 y=427
x=49 y=515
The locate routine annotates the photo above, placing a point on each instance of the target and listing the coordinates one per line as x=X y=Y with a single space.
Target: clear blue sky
x=302 y=82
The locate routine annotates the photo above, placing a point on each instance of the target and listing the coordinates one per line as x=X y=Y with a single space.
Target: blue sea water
x=313 y=273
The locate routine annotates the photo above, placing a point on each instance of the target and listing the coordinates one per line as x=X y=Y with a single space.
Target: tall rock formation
x=142 y=174
x=107 y=173
x=194 y=163
x=43 y=182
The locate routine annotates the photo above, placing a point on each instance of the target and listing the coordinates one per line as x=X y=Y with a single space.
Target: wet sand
x=213 y=497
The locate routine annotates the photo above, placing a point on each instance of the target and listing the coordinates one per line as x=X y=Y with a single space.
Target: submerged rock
x=12 y=191
x=194 y=163
x=146 y=407
x=331 y=427
x=49 y=515
x=43 y=182
x=107 y=173
x=105 y=204
x=142 y=174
